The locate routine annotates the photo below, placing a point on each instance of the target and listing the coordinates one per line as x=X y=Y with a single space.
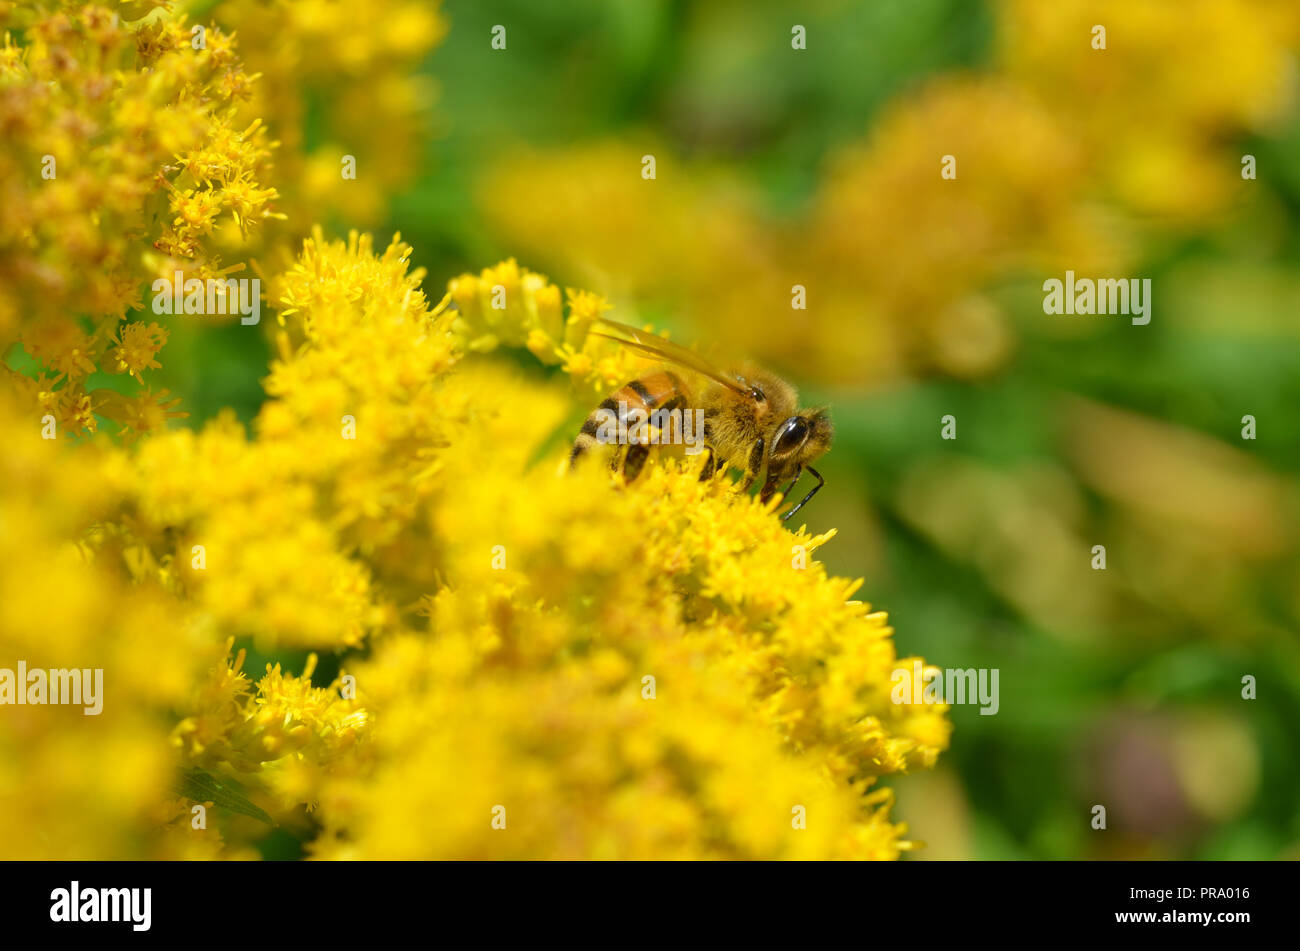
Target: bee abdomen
x=656 y=391
x=587 y=435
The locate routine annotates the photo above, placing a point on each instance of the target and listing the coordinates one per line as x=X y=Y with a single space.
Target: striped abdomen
x=662 y=390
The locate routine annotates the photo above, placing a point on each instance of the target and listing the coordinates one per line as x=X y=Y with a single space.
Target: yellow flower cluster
x=537 y=664
x=559 y=596
x=658 y=669
x=83 y=587
x=122 y=154
x=511 y=306
x=72 y=785
x=138 y=143
x=287 y=716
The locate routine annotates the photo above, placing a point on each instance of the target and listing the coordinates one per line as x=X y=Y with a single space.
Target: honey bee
x=752 y=419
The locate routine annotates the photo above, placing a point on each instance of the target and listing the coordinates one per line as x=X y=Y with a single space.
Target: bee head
x=798 y=440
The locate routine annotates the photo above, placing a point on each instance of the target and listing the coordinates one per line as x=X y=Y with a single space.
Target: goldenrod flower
x=625 y=670
x=771 y=686
x=74 y=786
x=137 y=345
x=285 y=716
x=121 y=157
x=634 y=670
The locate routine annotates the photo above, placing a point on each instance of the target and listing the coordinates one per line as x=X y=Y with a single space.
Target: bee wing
x=658 y=347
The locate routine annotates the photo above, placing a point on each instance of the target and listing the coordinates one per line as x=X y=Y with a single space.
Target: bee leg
x=709 y=467
x=820 y=482
x=755 y=463
x=635 y=458
x=785 y=493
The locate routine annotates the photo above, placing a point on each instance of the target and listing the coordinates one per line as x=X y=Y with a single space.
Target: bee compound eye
x=791 y=435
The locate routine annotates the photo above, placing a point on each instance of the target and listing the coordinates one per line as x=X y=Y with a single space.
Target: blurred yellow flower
x=362 y=64
x=74 y=786
x=1156 y=135
x=1061 y=156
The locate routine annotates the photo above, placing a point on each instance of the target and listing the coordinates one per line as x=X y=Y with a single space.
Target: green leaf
x=201 y=786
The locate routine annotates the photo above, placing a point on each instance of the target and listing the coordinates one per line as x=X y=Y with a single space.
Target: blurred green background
x=1120 y=687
